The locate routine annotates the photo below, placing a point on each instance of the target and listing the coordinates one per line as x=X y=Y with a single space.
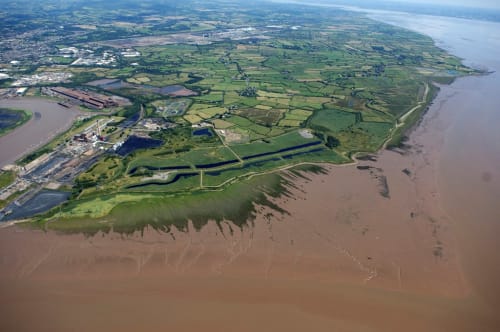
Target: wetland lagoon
x=324 y=250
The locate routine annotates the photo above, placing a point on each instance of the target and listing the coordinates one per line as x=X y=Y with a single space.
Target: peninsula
x=189 y=116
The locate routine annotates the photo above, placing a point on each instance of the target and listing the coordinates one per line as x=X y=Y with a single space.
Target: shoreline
x=423 y=105
x=475 y=100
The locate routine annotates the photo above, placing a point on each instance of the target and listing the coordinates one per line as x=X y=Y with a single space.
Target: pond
x=134 y=143
x=176 y=178
x=41 y=202
x=203 y=132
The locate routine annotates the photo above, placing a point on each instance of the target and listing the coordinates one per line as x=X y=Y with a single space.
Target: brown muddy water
x=48 y=120
x=406 y=243
x=469 y=160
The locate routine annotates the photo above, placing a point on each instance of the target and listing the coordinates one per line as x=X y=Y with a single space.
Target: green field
x=133 y=211
x=334 y=121
x=277 y=143
x=6 y=178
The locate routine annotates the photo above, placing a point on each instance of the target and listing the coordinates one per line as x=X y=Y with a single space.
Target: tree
x=332 y=142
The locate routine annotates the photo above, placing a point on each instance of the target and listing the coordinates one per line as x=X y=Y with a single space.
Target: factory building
x=94 y=101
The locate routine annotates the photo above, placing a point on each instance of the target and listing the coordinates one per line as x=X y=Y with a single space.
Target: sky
x=494 y=4
x=468 y=3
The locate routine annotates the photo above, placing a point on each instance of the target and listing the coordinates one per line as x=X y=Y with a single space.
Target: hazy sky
x=469 y=3
x=466 y=3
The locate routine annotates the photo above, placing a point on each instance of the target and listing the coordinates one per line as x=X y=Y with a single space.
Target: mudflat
x=468 y=150
x=363 y=247
x=48 y=120
x=346 y=258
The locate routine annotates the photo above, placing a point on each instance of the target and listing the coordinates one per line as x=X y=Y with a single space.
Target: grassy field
x=6 y=178
x=108 y=169
x=131 y=212
x=399 y=135
x=275 y=144
x=334 y=121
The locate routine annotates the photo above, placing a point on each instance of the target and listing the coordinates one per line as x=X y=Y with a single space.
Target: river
x=48 y=120
x=469 y=160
